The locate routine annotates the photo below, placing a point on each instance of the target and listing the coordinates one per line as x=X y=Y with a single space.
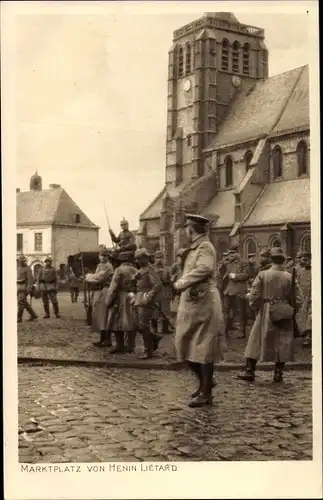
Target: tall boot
x=131 y=341
x=119 y=343
x=20 y=312
x=31 y=312
x=102 y=339
x=47 y=312
x=148 y=343
x=205 y=396
x=56 y=310
x=156 y=338
x=279 y=370
x=107 y=337
x=249 y=373
x=196 y=369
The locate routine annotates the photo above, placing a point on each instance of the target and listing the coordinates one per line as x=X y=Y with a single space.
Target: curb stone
x=146 y=365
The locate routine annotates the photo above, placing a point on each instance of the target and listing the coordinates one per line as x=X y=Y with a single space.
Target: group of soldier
x=131 y=291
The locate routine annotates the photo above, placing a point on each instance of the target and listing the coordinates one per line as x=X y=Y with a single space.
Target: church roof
x=276 y=104
x=153 y=210
x=222 y=206
x=48 y=206
x=282 y=202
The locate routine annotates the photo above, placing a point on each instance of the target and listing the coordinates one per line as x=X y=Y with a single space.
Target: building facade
x=237 y=147
x=49 y=223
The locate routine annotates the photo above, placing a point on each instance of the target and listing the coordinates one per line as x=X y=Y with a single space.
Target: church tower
x=208 y=62
x=36 y=182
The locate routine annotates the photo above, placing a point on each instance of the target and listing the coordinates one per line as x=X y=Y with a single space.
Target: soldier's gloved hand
x=232 y=276
x=146 y=298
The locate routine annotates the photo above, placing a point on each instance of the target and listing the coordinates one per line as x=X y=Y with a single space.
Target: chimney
x=54 y=186
x=17 y=190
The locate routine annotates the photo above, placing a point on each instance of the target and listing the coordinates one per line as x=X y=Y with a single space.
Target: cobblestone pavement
x=73 y=414
x=70 y=338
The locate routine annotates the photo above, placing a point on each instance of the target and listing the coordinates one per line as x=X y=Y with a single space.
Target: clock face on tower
x=236 y=81
x=187 y=85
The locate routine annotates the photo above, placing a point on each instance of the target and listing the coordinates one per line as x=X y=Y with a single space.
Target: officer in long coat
x=146 y=285
x=24 y=288
x=271 y=338
x=122 y=316
x=47 y=285
x=304 y=316
x=199 y=323
x=99 y=283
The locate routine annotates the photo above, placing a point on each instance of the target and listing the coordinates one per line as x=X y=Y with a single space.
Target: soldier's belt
x=48 y=282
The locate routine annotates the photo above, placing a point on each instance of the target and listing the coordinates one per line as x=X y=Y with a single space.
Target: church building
x=49 y=223
x=237 y=147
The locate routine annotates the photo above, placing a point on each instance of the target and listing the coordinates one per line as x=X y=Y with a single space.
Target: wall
x=70 y=240
x=29 y=240
x=239 y=165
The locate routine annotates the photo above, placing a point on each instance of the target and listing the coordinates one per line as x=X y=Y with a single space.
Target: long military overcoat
x=122 y=314
x=199 y=322
x=304 y=316
x=100 y=279
x=268 y=342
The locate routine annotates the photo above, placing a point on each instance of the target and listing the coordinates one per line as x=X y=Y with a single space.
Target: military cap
x=265 y=252
x=21 y=258
x=299 y=255
x=277 y=252
x=124 y=221
x=306 y=255
x=141 y=252
x=289 y=258
x=225 y=254
x=196 y=219
x=126 y=255
x=105 y=252
x=234 y=248
x=159 y=255
x=48 y=259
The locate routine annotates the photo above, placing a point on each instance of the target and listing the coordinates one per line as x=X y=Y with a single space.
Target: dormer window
x=77 y=219
x=277 y=163
x=228 y=171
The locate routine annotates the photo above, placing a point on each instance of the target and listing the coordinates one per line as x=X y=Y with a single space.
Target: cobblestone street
x=73 y=414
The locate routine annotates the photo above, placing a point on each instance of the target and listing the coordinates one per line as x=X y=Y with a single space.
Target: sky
x=90 y=98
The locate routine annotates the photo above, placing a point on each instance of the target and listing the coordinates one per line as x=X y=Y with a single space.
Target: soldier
x=74 y=285
x=199 y=321
x=47 y=284
x=271 y=337
x=24 y=287
x=298 y=261
x=146 y=286
x=304 y=316
x=121 y=316
x=176 y=271
x=221 y=271
x=235 y=284
x=126 y=239
x=100 y=282
x=164 y=297
x=265 y=262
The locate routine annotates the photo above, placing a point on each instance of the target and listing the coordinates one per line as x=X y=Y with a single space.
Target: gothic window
x=228 y=171
x=189 y=140
x=38 y=242
x=19 y=242
x=236 y=57
x=251 y=249
x=277 y=162
x=180 y=62
x=225 y=55
x=302 y=158
x=248 y=158
x=188 y=58
x=306 y=244
x=212 y=46
x=246 y=59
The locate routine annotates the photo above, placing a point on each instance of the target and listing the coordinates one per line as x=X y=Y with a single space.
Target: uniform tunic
x=47 y=280
x=148 y=285
x=267 y=341
x=165 y=295
x=122 y=315
x=24 y=286
x=199 y=322
x=125 y=240
x=100 y=282
x=304 y=316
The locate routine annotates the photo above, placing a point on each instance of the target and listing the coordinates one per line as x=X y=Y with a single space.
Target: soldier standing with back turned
x=24 y=287
x=47 y=284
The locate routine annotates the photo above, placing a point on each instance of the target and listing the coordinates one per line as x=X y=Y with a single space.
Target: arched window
x=247 y=159
x=302 y=158
x=251 y=249
x=225 y=55
x=274 y=241
x=246 y=59
x=236 y=57
x=277 y=162
x=180 y=62
x=228 y=171
x=188 y=58
x=306 y=244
